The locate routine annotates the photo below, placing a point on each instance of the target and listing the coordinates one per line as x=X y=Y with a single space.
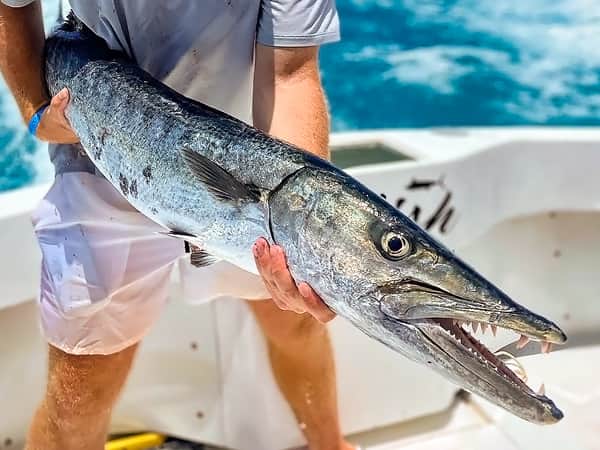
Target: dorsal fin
x=198 y=257
x=217 y=180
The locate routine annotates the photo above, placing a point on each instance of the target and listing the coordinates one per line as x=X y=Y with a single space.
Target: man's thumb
x=60 y=100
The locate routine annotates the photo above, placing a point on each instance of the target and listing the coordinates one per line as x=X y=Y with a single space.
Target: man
x=95 y=310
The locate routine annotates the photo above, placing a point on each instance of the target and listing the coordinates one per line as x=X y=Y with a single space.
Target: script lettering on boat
x=441 y=216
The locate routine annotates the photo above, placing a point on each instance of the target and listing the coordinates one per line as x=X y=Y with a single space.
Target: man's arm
x=289 y=103
x=21 y=64
x=21 y=55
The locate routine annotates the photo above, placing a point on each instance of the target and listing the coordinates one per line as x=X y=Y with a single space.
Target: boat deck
x=570 y=377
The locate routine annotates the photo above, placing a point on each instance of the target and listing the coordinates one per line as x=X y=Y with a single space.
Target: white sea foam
x=437 y=67
x=558 y=52
x=558 y=57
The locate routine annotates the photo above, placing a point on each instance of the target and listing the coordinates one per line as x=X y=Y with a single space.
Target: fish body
x=221 y=184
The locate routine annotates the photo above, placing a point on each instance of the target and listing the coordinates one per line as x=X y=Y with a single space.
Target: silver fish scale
x=322 y=225
x=144 y=162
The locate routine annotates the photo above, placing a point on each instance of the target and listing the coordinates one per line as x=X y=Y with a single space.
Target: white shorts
x=106 y=269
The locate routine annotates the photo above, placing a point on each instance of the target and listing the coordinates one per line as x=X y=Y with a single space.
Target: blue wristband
x=34 y=122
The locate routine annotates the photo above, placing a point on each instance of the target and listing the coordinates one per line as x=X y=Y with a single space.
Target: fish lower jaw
x=510 y=368
x=486 y=373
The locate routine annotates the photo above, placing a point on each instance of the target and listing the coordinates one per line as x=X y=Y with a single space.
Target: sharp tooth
x=542 y=390
x=546 y=347
x=474 y=325
x=523 y=340
x=494 y=330
x=483 y=327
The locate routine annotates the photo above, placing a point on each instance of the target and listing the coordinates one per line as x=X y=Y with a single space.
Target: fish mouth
x=492 y=378
x=441 y=318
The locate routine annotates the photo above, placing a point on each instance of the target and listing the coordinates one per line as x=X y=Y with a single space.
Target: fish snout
x=486 y=304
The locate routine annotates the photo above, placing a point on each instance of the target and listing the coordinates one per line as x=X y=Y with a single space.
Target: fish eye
x=395 y=245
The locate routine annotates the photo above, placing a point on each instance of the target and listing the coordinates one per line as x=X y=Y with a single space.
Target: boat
x=521 y=204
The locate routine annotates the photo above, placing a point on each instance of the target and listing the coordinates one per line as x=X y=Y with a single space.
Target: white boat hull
x=521 y=205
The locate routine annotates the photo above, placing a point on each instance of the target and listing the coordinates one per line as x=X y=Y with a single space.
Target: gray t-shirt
x=203 y=49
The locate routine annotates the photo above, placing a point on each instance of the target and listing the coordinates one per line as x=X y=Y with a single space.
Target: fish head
x=377 y=268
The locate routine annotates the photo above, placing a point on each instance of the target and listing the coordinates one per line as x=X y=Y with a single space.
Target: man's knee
x=82 y=386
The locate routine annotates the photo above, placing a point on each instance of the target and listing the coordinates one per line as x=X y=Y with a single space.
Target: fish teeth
x=542 y=390
x=546 y=347
x=523 y=340
x=494 y=329
x=483 y=327
x=474 y=325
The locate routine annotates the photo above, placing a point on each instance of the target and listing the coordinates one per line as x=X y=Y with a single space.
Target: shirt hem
x=300 y=41
x=17 y=3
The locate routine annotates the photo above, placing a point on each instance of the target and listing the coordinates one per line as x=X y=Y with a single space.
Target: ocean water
x=418 y=63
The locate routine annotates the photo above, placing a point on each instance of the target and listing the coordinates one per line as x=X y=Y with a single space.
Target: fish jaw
x=452 y=352
x=437 y=337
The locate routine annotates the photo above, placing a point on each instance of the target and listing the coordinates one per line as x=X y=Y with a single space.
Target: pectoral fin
x=199 y=258
x=217 y=180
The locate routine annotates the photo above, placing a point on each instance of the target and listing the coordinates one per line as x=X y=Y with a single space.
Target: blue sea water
x=419 y=63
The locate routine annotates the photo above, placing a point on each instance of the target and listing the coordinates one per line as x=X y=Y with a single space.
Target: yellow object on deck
x=137 y=442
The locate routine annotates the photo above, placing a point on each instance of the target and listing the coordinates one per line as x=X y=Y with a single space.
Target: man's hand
x=22 y=65
x=272 y=266
x=54 y=126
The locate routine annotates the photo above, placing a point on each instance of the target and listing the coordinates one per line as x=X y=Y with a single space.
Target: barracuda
x=221 y=184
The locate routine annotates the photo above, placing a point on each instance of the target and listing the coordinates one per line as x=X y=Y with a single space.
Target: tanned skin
x=21 y=63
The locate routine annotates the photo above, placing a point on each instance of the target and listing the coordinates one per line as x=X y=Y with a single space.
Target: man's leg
x=302 y=361
x=80 y=394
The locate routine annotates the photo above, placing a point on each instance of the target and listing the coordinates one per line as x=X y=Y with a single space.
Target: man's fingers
x=54 y=126
x=280 y=304
x=60 y=100
x=316 y=307
x=59 y=104
x=280 y=272
x=262 y=258
x=272 y=266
